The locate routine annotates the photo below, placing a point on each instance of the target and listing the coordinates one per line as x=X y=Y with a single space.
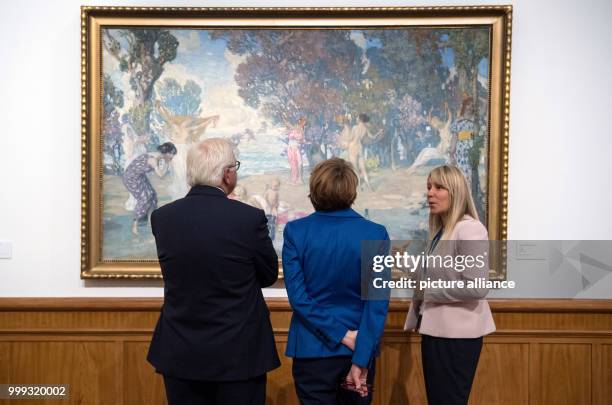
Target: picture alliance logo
x=474 y=284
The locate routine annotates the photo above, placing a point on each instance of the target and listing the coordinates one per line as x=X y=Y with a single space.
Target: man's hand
x=356 y=380
x=350 y=338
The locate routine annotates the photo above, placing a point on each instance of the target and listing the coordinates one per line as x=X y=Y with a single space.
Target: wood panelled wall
x=548 y=352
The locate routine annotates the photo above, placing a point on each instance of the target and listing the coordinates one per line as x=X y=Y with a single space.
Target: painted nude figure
x=184 y=130
x=359 y=134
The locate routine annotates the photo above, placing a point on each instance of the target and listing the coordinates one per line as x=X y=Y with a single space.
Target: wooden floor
x=548 y=352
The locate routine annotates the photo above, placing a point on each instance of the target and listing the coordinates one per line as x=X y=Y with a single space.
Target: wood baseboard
x=544 y=352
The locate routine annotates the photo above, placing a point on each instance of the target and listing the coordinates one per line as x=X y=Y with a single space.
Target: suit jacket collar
x=206 y=190
x=347 y=213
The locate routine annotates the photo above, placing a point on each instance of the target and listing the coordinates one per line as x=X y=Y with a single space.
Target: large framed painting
x=396 y=91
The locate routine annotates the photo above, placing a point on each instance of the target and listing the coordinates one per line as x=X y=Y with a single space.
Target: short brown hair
x=333 y=185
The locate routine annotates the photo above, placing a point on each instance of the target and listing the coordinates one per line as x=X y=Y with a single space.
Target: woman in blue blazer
x=334 y=334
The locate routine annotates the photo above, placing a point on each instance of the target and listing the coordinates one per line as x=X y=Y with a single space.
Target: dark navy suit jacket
x=322 y=269
x=215 y=256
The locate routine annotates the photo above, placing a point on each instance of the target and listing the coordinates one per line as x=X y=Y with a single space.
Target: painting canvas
x=394 y=101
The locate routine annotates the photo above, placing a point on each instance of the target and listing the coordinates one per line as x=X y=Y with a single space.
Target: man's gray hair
x=207 y=160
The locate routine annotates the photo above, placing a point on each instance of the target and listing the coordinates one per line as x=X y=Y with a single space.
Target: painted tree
x=181 y=100
x=141 y=53
x=411 y=116
x=407 y=64
x=111 y=127
x=289 y=74
x=470 y=48
x=411 y=60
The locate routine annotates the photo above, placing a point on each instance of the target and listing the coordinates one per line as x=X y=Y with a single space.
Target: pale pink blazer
x=455 y=313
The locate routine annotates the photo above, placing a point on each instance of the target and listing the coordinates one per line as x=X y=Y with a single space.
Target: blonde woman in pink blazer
x=451 y=321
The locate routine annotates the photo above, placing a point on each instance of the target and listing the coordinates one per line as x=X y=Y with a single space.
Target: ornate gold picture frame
x=429 y=85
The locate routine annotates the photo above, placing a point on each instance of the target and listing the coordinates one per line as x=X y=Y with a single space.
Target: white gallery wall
x=560 y=183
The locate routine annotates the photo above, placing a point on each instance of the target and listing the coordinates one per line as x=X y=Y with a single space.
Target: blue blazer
x=322 y=269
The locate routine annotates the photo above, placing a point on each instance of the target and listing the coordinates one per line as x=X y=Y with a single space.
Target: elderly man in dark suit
x=213 y=342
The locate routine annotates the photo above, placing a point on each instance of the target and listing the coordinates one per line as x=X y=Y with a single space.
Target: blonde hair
x=461 y=202
x=207 y=160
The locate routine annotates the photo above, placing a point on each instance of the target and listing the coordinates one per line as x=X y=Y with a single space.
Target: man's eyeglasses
x=235 y=166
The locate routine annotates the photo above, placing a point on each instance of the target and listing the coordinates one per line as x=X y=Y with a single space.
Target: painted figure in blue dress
x=136 y=181
x=462 y=139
